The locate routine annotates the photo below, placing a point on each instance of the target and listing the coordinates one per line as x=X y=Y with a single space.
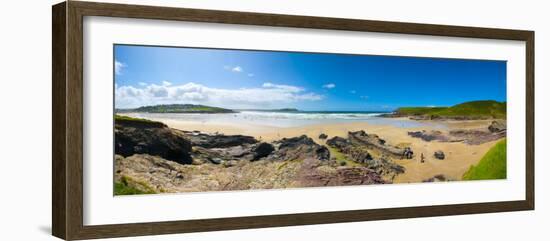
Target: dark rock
x=358 y=154
x=429 y=135
x=497 y=126
x=138 y=137
x=439 y=155
x=322 y=153
x=262 y=150
x=292 y=142
x=217 y=140
x=469 y=136
x=235 y=153
x=296 y=148
x=476 y=137
x=361 y=138
x=385 y=167
x=310 y=175
x=216 y=160
x=323 y=136
x=338 y=143
x=438 y=178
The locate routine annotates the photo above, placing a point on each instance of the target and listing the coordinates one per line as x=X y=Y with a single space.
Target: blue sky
x=241 y=79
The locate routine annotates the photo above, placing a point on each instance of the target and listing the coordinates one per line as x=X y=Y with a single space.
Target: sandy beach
x=458 y=156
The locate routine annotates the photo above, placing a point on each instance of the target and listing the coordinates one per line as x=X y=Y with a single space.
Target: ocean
x=286 y=119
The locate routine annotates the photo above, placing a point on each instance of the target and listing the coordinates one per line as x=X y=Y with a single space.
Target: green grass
x=128 y=118
x=122 y=119
x=181 y=108
x=341 y=157
x=121 y=189
x=491 y=166
x=478 y=109
x=125 y=188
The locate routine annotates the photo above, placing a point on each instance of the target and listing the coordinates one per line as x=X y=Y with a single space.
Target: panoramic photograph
x=203 y=120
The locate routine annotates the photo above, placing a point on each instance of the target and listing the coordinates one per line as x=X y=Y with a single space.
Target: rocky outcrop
x=476 y=137
x=439 y=155
x=438 y=178
x=468 y=136
x=358 y=152
x=152 y=158
x=217 y=140
x=323 y=136
x=148 y=173
x=375 y=142
x=338 y=142
x=385 y=167
x=218 y=156
x=153 y=138
x=430 y=135
x=297 y=148
x=152 y=173
x=313 y=175
x=497 y=126
x=262 y=150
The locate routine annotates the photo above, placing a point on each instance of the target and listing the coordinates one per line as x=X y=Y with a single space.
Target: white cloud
x=250 y=75
x=364 y=97
x=118 y=67
x=329 y=86
x=353 y=91
x=268 y=95
x=289 y=88
x=237 y=69
x=142 y=83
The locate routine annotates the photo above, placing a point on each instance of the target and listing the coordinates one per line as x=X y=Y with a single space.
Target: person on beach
x=407 y=153
x=422 y=158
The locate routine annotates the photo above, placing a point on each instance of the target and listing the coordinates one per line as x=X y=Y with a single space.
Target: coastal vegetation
x=132 y=119
x=178 y=108
x=122 y=119
x=341 y=157
x=124 y=187
x=491 y=166
x=483 y=109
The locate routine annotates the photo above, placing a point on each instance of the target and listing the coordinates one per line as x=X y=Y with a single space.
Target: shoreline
x=458 y=156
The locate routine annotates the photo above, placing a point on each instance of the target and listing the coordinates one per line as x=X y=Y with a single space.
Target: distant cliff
x=484 y=109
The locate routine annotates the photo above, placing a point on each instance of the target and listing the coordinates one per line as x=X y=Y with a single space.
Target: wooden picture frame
x=67 y=138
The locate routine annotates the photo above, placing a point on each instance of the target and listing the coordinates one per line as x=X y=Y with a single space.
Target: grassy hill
x=483 y=109
x=137 y=122
x=179 y=108
x=491 y=166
